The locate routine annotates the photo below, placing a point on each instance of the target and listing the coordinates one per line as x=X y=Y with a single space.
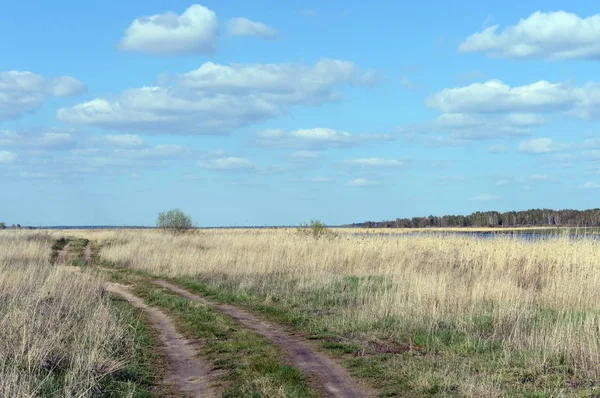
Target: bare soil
x=87 y=253
x=62 y=254
x=187 y=372
x=326 y=375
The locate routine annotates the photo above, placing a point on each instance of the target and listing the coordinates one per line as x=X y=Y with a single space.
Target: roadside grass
x=60 y=335
x=145 y=368
x=245 y=363
x=438 y=315
x=401 y=361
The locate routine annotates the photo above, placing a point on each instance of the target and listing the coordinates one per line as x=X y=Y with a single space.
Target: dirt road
x=325 y=374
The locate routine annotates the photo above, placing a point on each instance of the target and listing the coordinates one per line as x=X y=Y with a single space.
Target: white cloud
x=23 y=92
x=497 y=149
x=553 y=35
x=215 y=99
x=540 y=145
x=319 y=137
x=319 y=179
x=484 y=197
x=496 y=96
x=374 y=162
x=304 y=155
x=51 y=139
x=65 y=86
x=227 y=163
x=541 y=178
x=590 y=185
x=463 y=127
x=246 y=27
x=162 y=151
x=501 y=182
x=193 y=32
x=7 y=157
x=360 y=182
x=407 y=84
x=125 y=141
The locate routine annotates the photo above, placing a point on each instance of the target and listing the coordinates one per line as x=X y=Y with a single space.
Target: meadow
x=413 y=315
x=421 y=315
x=60 y=335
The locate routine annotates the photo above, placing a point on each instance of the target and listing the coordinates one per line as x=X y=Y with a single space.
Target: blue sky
x=273 y=113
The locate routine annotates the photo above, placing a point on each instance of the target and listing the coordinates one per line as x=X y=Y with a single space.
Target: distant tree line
x=532 y=217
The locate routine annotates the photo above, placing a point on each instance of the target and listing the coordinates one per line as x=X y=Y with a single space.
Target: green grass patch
x=145 y=366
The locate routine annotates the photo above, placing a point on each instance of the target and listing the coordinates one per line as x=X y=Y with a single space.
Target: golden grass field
x=529 y=305
x=434 y=315
x=58 y=334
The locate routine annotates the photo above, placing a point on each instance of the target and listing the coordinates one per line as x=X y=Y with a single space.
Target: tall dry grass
x=58 y=336
x=539 y=297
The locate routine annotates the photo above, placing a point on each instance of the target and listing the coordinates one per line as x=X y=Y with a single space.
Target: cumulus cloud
x=540 y=145
x=374 y=162
x=484 y=197
x=61 y=155
x=65 y=86
x=360 y=182
x=304 y=156
x=319 y=137
x=502 y=182
x=246 y=27
x=23 y=92
x=193 y=32
x=553 y=35
x=215 y=99
x=227 y=164
x=51 y=139
x=462 y=128
x=7 y=157
x=125 y=141
x=496 y=96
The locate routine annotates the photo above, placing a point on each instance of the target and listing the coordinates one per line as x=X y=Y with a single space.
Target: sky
x=260 y=112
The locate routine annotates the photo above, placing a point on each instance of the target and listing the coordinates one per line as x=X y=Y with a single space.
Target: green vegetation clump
x=174 y=221
x=316 y=229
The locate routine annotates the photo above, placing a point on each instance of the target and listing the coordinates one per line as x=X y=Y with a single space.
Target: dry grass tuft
x=58 y=336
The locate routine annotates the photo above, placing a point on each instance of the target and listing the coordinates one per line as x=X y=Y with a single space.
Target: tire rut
x=326 y=375
x=63 y=254
x=87 y=253
x=188 y=373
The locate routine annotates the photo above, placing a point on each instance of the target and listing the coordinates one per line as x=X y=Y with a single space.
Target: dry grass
x=58 y=336
x=536 y=298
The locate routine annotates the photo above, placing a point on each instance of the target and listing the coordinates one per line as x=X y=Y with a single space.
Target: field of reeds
x=60 y=336
x=416 y=315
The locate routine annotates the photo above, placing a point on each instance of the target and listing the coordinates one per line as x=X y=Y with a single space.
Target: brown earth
x=325 y=374
x=87 y=253
x=62 y=254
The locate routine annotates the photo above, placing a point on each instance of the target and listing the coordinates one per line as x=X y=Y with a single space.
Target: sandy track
x=87 y=253
x=187 y=372
x=62 y=254
x=326 y=375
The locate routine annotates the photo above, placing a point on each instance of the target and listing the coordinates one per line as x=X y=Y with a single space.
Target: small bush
x=174 y=221
x=316 y=229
